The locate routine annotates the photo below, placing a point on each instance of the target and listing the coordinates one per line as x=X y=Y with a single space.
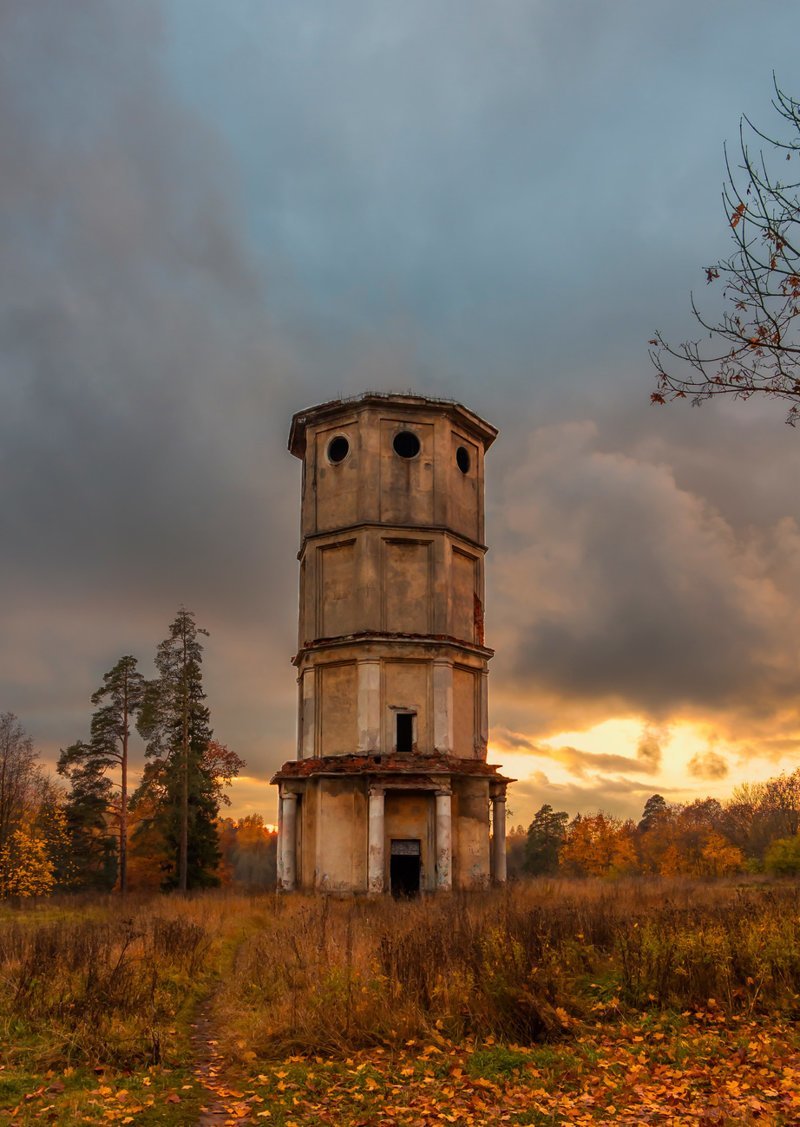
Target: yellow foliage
x=25 y=866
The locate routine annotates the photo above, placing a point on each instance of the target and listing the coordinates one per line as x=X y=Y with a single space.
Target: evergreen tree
x=545 y=837
x=118 y=699
x=93 y=851
x=175 y=722
x=655 y=809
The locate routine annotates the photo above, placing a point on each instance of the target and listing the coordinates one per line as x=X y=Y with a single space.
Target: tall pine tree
x=118 y=700
x=175 y=722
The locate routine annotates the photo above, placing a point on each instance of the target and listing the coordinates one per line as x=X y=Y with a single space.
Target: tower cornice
x=391 y=640
x=403 y=531
x=410 y=404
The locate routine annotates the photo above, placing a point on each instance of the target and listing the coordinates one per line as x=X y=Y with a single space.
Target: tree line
x=91 y=831
x=756 y=830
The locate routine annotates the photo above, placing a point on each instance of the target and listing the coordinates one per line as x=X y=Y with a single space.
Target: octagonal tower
x=391 y=789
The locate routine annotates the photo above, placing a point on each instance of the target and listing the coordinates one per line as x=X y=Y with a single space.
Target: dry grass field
x=549 y=1002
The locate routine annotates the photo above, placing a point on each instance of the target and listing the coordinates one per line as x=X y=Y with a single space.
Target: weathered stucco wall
x=465 y=712
x=342 y=835
x=471 y=833
x=338 y=693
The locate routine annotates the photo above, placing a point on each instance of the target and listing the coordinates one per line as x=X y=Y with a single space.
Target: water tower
x=390 y=790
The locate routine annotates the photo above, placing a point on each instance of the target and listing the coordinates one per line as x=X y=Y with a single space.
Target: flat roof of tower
x=406 y=400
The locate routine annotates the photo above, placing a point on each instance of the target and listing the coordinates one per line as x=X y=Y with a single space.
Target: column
x=287 y=874
x=443 y=707
x=279 y=857
x=369 y=707
x=375 y=863
x=499 y=838
x=444 y=867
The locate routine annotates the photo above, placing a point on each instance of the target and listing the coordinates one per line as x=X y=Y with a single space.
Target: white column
x=499 y=838
x=369 y=706
x=376 y=831
x=308 y=735
x=443 y=707
x=287 y=874
x=279 y=857
x=444 y=851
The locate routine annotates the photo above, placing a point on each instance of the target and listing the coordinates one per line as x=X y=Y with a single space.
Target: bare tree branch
x=753 y=347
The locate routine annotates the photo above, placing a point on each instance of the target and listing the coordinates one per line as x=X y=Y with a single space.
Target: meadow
x=646 y=1001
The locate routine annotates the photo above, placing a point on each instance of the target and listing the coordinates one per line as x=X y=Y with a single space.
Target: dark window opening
x=406 y=444
x=405 y=731
x=462 y=459
x=338 y=449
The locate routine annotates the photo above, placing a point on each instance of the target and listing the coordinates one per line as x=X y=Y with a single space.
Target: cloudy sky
x=214 y=213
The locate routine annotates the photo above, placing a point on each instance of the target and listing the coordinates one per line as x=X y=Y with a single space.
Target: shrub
x=783 y=856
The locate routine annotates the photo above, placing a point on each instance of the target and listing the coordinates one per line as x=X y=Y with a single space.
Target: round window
x=338 y=449
x=462 y=459
x=406 y=444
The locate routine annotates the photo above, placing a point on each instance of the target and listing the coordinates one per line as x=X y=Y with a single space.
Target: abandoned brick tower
x=391 y=790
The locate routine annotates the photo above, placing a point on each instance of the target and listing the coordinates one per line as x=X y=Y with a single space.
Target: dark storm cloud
x=708 y=765
x=651 y=746
x=128 y=305
x=140 y=382
x=640 y=592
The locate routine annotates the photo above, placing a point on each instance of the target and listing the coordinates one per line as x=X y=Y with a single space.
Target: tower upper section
x=405 y=461
x=391 y=652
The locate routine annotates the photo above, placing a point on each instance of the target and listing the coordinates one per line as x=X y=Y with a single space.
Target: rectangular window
x=405 y=731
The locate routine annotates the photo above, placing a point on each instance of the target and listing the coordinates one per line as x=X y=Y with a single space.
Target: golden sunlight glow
x=574 y=767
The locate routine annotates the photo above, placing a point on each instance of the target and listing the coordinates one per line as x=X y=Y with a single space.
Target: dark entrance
x=405 y=868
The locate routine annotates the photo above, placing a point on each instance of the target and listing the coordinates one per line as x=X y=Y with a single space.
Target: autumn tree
x=753 y=346
x=249 y=852
x=180 y=779
x=222 y=766
x=598 y=845
x=35 y=857
x=718 y=857
x=26 y=865
x=783 y=856
x=780 y=804
x=516 y=837
x=744 y=824
x=20 y=775
x=544 y=838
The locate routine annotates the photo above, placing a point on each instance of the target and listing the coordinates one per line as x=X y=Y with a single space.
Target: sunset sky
x=214 y=213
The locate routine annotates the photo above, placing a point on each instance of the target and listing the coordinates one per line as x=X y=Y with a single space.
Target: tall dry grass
x=105 y=980
x=525 y=964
